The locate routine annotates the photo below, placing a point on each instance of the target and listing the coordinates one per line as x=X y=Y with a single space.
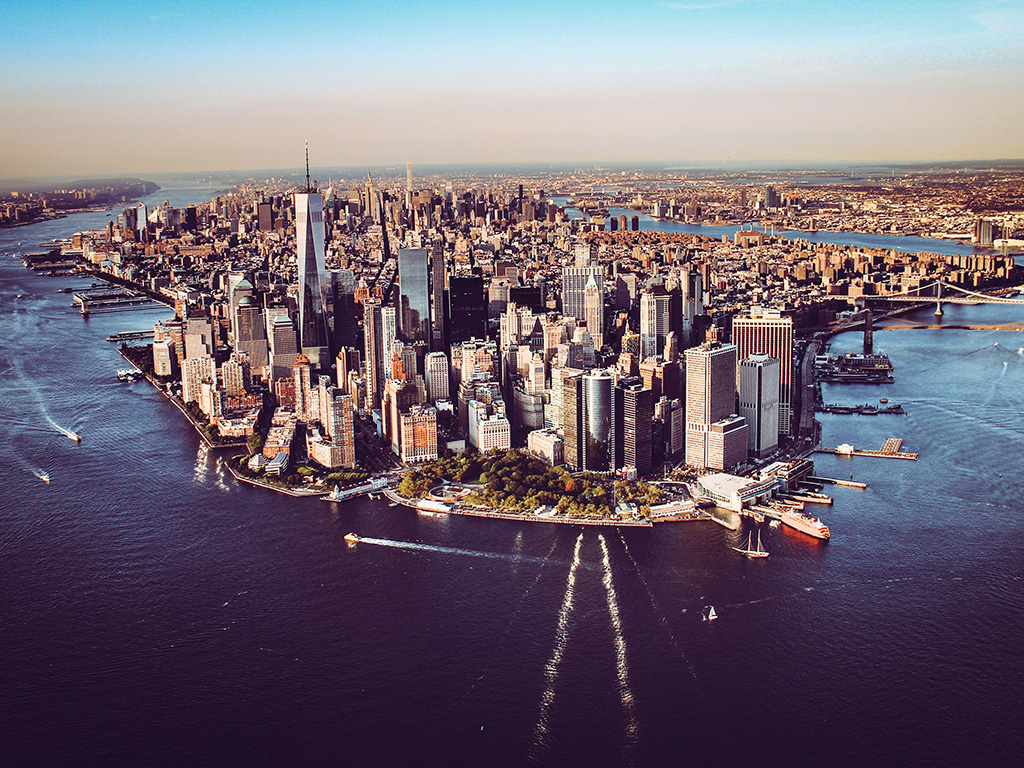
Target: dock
x=110 y=300
x=890 y=450
x=834 y=481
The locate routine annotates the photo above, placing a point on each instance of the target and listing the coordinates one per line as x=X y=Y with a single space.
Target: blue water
x=157 y=613
x=904 y=243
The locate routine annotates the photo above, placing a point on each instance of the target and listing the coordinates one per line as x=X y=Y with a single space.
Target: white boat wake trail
x=540 y=732
x=416 y=547
x=621 y=662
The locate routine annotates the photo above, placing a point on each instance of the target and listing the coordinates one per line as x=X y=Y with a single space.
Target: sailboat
x=757 y=551
x=710 y=614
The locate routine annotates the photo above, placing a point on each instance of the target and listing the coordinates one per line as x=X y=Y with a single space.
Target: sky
x=112 y=87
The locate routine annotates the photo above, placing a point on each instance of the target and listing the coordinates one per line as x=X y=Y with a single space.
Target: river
x=156 y=612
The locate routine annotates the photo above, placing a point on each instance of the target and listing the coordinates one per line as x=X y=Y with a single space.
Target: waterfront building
x=335 y=447
x=759 y=403
x=712 y=427
x=414 y=296
x=194 y=372
x=767 y=332
x=165 y=361
x=309 y=238
x=418 y=428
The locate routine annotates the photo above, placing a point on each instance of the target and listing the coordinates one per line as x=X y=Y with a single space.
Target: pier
x=128 y=335
x=890 y=450
x=834 y=481
x=111 y=300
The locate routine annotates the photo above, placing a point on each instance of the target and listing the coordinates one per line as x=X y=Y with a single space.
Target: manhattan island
x=386 y=324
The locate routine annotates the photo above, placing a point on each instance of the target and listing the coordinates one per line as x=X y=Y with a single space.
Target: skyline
x=92 y=89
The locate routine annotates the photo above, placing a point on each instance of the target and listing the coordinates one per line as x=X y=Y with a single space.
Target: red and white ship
x=812 y=526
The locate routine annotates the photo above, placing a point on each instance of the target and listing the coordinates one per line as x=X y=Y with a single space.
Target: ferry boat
x=352 y=538
x=812 y=526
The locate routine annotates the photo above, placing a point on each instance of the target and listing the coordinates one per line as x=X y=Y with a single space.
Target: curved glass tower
x=598 y=441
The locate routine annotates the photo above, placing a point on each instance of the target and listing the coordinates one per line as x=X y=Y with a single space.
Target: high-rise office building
x=634 y=409
x=389 y=333
x=574 y=287
x=598 y=422
x=438 y=289
x=309 y=237
x=467 y=308
x=759 y=403
x=436 y=374
x=283 y=348
x=373 y=352
x=251 y=334
x=655 y=322
x=716 y=438
x=766 y=332
x=593 y=311
x=414 y=296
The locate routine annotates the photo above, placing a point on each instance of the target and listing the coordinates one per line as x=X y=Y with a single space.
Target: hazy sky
x=129 y=87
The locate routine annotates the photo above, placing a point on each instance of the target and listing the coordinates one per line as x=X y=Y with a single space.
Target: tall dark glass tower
x=414 y=299
x=309 y=238
x=467 y=308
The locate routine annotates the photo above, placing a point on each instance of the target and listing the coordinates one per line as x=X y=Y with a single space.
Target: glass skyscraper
x=414 y=287
x=309 y=237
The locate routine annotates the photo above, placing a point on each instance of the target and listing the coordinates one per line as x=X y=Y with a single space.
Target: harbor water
x=155 y=612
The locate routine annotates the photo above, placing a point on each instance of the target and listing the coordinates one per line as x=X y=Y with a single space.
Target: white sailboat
x=749 y=551
x=710 y=615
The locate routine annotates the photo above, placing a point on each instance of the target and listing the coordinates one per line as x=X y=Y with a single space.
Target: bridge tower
x=938 y=296
x=868 y=332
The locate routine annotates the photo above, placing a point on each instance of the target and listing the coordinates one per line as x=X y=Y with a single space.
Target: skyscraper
x=598 y=438
x=593 y=311
x=467 y=308
x=414 y=296
x=654 y=321
x=759 y=403
x=373 y=352
x=716 y=438
x=574 y=286
x=309 y=237
x=766 y=332
x=634 y=409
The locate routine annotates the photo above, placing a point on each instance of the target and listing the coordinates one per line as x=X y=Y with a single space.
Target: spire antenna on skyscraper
x=309 y=187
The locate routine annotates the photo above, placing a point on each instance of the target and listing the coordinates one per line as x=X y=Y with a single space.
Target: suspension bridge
x=941 y=293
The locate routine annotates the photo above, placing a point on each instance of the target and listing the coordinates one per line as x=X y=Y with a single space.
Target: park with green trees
x=516 y=481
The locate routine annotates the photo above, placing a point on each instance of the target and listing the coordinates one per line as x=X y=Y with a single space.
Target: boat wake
x=621 y=661
x=413 y=546
x=540 y=733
